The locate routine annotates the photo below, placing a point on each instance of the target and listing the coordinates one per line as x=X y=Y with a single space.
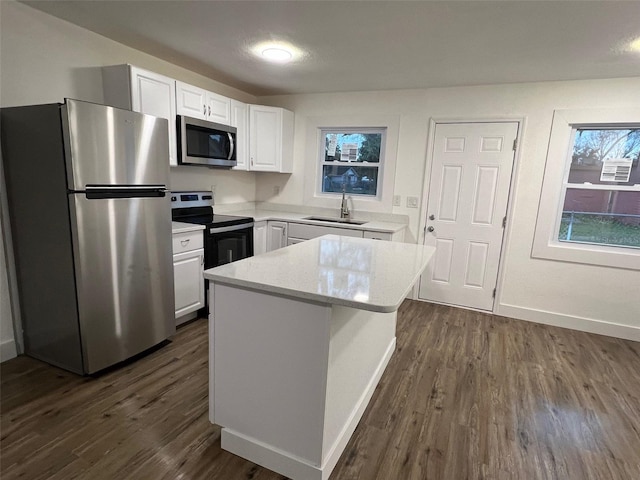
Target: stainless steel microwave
x=205 y=143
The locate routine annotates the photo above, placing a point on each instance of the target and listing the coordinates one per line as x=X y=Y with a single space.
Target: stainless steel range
x=227 y=238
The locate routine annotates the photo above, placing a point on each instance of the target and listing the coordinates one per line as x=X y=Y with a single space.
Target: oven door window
x=228 y=247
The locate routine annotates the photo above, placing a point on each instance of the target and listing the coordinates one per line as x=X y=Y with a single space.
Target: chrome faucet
x=344 y=208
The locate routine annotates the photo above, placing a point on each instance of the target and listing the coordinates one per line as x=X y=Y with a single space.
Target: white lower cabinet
x=305 y=231
x=276 y=235
x=188 y=282
x=281 y=234
x=188 y=279
x=299 y=232
x=259 y=238
x=378 y=235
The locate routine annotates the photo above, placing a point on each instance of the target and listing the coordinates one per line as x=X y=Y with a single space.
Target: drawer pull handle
x=184 y=243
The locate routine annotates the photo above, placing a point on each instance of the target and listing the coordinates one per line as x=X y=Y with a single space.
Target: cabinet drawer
x=378 y=235
x=307 y=232
x=184 y=242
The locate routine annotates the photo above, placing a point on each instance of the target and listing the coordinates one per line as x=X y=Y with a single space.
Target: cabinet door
x=191 y=101
x=259 y=238
x=276 y=235
x=265 y=138
x=218 y=108
x=155 y=94
x=240 y=120
x=188 y=281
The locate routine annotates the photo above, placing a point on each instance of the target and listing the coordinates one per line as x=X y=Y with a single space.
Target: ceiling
x=373 y=45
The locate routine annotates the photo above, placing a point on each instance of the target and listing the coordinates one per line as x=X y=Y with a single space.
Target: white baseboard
x=583 y=324
x=268 y=456
x=8 y=350
x=297 y=468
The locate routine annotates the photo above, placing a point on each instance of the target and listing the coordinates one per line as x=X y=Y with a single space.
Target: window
x=601 y=204
x=351 y=159
x=590 y=202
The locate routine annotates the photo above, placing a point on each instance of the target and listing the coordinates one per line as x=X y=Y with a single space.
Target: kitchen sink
x=335 y=220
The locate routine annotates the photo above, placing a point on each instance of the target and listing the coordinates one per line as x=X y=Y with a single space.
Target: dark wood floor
x=465 y=396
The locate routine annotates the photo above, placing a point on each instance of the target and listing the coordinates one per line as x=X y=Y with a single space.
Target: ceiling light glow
x=635 y=45
x=277 y=52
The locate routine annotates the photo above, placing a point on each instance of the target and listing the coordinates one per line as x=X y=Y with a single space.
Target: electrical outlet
x=412 y=202
x=397 y=200
x=276 y=189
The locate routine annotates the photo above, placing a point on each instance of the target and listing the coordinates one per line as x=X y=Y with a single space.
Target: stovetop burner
x=213 y=220
x=197 y=207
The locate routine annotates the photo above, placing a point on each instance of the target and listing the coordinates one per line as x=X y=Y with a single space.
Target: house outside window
x=589 y=209
x=351 y=159
x=601 y=204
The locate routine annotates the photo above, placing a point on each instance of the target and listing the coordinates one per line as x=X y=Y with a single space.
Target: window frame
x=545 y=243
x=320 y=161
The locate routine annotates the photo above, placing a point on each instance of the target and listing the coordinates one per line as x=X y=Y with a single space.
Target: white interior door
x=467 y=202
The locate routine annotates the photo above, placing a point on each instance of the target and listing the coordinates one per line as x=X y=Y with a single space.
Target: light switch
x=412 y=202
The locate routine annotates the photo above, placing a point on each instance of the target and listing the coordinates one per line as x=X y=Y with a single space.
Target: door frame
x=506 y=238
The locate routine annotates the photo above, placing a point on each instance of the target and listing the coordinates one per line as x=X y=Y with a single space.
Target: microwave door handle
x=232 y=146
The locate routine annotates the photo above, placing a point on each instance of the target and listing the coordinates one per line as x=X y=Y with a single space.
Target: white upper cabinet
x=218 y=108
x=270 y=139
x=240 y=120
x=196 y=102
x=265 y=134
x=142 y=91
x=191 y=101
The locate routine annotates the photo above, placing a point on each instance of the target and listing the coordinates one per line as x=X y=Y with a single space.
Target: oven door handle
x=231 y=228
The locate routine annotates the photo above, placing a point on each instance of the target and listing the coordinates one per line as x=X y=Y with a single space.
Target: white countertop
x=355 y=272
x=181 y=227
x=283 y=216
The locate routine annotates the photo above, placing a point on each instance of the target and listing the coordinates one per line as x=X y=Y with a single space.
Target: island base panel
x=290 y=379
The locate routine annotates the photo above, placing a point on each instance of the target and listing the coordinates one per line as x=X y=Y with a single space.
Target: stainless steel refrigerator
x=91 y=230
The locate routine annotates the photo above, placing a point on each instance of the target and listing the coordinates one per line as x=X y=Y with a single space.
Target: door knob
x=430 y=229
x=432 y=217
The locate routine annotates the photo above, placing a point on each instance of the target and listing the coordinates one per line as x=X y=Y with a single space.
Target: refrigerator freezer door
x=110 y=146
x=124 y=276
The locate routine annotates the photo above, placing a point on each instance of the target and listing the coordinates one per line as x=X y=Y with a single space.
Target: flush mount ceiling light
x=276 y=52
x=634 y=46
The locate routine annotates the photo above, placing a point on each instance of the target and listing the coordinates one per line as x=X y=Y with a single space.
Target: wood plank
x=466 y=395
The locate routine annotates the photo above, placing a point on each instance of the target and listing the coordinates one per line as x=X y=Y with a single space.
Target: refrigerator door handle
x=125 y=191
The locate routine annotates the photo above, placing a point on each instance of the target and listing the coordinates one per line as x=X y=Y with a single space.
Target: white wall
x=579 y=296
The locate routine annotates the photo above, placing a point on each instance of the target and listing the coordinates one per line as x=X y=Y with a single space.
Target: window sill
x=587 y=254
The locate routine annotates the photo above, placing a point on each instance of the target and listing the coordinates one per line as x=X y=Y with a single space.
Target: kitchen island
x=298 y=340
